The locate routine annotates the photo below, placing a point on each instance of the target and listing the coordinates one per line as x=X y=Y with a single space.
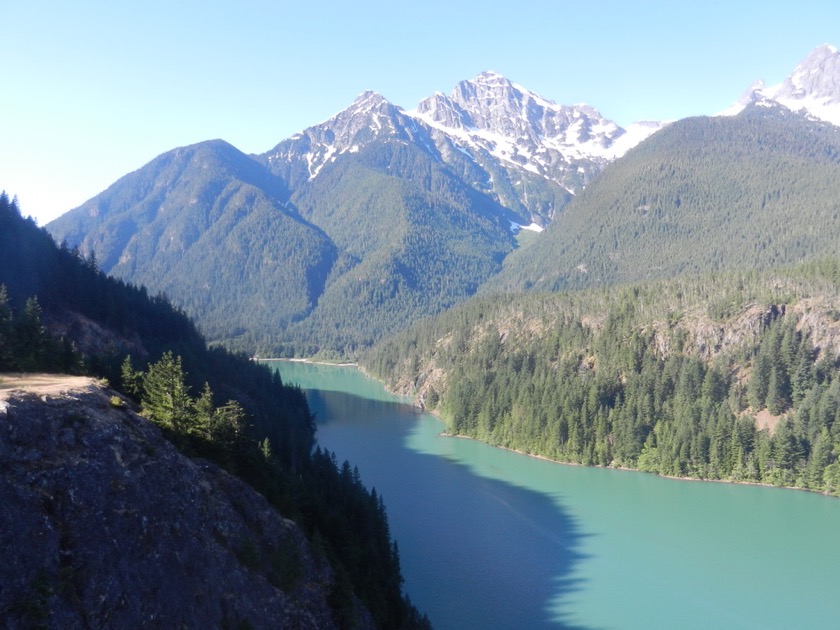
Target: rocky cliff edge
x=105 y=524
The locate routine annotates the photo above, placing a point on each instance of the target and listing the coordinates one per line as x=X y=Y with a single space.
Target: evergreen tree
x=204 y=412
x=6 y=350
x=625 y=378
x=760 y=380
x=132 y=380
x=819 y=460
x=166 y=398
x=30 y=338
x=70 y=288
x=774 y=401
x=229 y=426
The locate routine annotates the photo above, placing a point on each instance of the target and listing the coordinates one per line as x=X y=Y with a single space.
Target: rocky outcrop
x=105 y=524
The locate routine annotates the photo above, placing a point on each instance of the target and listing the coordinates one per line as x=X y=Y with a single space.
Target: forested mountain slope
x=388 y=233
x=413 y=240
x=380 y=238
x=358 y=226
x=208 y=226
x=59 y=312
x=751 y=191
x=730 y=376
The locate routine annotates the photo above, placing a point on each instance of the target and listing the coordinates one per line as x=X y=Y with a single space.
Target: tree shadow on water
x=476 y=552
x=521 y=555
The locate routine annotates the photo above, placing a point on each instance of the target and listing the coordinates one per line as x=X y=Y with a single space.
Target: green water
x=493 y=539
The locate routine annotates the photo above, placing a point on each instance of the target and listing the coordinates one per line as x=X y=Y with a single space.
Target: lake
x=489 y=538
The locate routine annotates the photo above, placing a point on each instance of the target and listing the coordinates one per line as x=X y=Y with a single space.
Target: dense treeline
x=65 y=281
x=208 y=226
x=729 y=377
x=345 y=520
x=273 y=261
x=59 y=312
x=423 y=241
x=412 y=241
x=26 y=346
x=104 y=319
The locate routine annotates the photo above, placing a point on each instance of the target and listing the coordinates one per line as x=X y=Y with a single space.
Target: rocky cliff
x=105 y=524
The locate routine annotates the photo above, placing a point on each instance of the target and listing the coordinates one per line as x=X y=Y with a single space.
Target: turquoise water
x=493 y=539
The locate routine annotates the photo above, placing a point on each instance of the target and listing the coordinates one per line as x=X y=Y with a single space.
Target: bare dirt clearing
x=44 y=384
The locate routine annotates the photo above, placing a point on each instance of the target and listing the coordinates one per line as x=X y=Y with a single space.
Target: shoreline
x=444 y=433
x=309 y=361
x=623 y=468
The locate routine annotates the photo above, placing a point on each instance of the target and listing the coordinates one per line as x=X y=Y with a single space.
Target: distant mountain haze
x=360 y=225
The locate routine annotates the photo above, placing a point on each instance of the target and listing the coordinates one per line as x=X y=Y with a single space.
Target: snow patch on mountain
x=533 y=227
x=813 y=88
x=503 y=139
x=525 y=130
x=368 y=119
x=633 y=135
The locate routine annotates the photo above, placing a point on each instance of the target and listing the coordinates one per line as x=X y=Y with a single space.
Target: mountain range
x=358 y=226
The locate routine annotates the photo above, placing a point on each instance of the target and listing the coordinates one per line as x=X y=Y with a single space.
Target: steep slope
x=751 y=191
x=251 y=260
x=208 y=226
x=424 y=205
x=726 y=376
x=414 y=239
x=377 y=217
x=535 y=154
x=106 y=524
x=499 y=138
x=353 y=228
x=264 y=432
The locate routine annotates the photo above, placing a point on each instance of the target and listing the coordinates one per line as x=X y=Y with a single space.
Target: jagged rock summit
x=494 y=111
x=369 y=118
x=813 y=87
x=502 y=138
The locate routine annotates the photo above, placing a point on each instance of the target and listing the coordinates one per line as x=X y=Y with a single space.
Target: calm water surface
x=493 y=539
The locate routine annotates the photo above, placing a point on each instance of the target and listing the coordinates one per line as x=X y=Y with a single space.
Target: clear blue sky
x=94 y=90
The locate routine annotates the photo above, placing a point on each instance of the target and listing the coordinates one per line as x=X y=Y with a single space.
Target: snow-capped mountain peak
x=370 y=113
x=370 y=117
x=367 y=102
x=813 y=87
x=492 y=115
x=818 y=77
x=504 y=138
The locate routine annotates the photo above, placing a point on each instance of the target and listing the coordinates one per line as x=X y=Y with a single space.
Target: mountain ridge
x=704 y=194
x=503 y=137
x=59 y=312
x=381 y=215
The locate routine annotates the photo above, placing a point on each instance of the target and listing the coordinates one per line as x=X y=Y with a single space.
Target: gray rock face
x=522 y=141
x=817 y=77
x=813 y=88
x=528 y=153
x=105 y=524
x=493 y=103
x=371 y=118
